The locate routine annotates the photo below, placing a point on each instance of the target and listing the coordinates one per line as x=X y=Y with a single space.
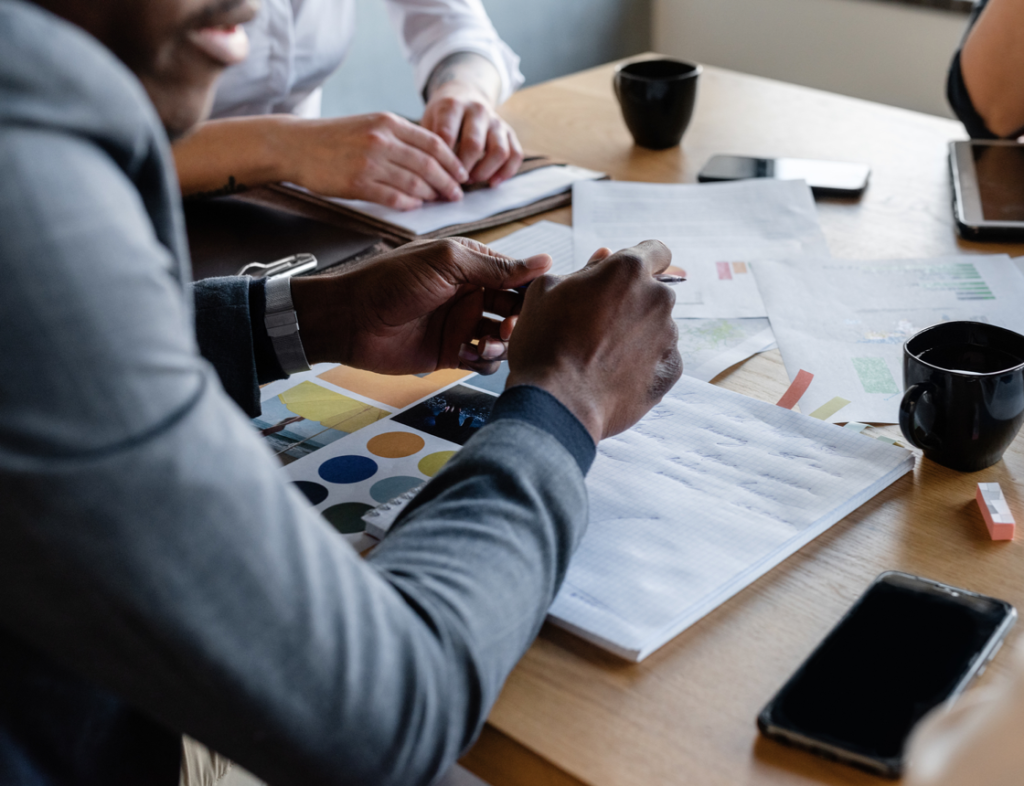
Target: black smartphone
x=907 y=645
x=988 y=189
x=826 y=178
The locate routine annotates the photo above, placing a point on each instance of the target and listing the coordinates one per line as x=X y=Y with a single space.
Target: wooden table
x=571 y=714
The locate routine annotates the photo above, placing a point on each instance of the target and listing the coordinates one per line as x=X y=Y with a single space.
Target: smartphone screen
x=1000 y=173
x=837 y=177
x=904 y=648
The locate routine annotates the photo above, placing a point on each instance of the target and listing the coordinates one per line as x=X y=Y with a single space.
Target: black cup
x=964 y=399
x=657 y=98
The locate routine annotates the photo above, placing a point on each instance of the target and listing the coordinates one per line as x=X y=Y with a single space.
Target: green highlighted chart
x=846 y=320
x=874 y=375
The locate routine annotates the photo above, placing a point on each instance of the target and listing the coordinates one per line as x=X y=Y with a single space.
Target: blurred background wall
x=882 y=50
x=553 y=37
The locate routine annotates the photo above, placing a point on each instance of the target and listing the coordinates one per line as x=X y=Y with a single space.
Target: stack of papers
x=707 y=493
x=846 y=320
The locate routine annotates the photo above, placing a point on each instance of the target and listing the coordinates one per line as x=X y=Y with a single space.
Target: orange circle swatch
x=395 y=444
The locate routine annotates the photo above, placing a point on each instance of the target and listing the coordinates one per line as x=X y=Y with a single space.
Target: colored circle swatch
x=432 y=464
x=389 y=488
x=395 y=444
x=347 y=469
x=314 y=492
x=347 y=517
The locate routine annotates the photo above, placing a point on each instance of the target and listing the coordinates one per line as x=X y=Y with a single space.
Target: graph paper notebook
x=707 y=493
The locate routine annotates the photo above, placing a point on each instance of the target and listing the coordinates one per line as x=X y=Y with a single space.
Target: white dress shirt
x=297 y=44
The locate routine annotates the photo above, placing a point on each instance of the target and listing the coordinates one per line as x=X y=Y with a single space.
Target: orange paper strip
x=796 y=389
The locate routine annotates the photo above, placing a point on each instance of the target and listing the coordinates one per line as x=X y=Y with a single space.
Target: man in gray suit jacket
x=158 y=576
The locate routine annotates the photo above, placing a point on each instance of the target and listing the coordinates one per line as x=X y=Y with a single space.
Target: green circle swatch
x=347 y=517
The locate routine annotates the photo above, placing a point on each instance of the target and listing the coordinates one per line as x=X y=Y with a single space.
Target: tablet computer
x=988 y=189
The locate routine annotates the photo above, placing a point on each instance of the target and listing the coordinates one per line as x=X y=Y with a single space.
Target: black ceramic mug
x=964 y=393
x=657 y=98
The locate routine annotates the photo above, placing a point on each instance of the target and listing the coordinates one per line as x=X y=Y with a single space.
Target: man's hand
x=462 y=93
x=602 y=340
x=416 y=309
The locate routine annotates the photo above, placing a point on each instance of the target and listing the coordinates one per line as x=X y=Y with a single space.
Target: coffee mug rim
x=967 y=375
x=696 y=69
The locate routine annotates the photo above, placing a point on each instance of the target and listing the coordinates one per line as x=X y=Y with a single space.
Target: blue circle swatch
x=314 y=492
x=347 y=469
x=389 y=488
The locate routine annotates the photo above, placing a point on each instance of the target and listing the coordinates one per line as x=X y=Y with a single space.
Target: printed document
x=845 y=321
x=714 y=231
x=707 y=493
x=708 y=346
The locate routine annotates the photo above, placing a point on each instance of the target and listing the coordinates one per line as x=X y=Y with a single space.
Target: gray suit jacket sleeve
x=150 y=542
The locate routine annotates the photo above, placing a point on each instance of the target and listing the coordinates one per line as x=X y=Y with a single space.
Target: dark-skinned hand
x=416 y=309
x=601 y=340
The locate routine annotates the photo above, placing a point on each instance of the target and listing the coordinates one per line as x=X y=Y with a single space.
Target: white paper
x=846 y=321
x=544 y=237
x=516 y=192
x=713 y=230
x=707 y=493
x=710 y=346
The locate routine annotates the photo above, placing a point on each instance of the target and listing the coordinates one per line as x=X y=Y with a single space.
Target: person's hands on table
x=416 y=309
x=461 y=111
x=601 y=340
x=377 y=157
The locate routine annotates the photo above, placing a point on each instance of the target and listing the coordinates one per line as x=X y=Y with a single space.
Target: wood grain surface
x=572 y=714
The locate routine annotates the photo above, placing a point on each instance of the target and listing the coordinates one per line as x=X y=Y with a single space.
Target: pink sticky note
x=995 y=511
x=724 y=273
x=796 y=389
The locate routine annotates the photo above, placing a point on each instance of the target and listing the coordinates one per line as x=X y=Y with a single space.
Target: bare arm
x=992 y=61
x=377 y=157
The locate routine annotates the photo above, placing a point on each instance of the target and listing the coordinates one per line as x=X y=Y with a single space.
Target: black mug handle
x=908 y=412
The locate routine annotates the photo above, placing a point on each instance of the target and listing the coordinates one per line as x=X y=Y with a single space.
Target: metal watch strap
x=283 y=326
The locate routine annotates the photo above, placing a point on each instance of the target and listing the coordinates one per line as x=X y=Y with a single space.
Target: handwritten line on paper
x=829 y=408
x=796 y=389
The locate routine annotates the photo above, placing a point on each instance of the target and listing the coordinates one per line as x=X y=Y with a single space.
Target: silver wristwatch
x=283 y=326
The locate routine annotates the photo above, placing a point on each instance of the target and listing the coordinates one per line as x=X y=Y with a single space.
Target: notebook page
x=709 y=491
x=516 y=192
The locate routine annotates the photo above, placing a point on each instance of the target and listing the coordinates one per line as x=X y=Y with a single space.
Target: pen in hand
x=664 y=278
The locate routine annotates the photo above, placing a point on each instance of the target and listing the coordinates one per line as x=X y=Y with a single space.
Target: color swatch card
x=846 y=320
x=352 y=440
x=713 y=230
x=707 y=493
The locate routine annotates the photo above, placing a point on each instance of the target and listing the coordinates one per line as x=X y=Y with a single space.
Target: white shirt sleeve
x=431 y=30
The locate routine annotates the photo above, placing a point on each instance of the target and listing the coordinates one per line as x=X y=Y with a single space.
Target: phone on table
x=988 y=189
x=907 y=645
x=826 y=178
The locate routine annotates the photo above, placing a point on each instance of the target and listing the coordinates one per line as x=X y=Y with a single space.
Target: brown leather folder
x=226 y=233
x=376 y=225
